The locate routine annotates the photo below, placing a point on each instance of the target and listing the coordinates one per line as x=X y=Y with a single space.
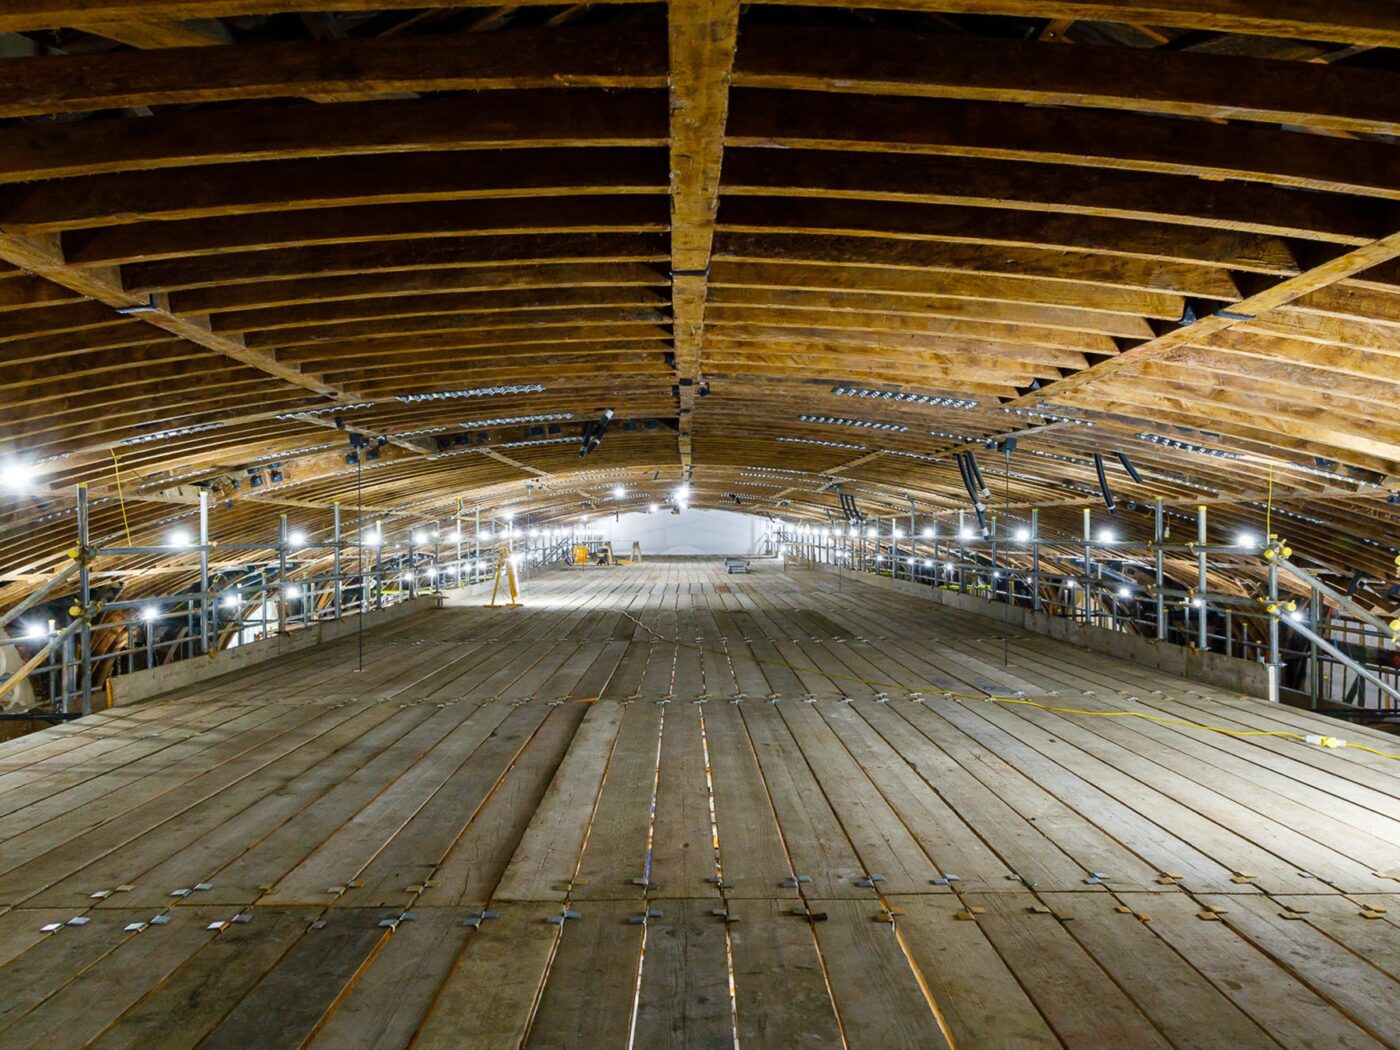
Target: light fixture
x=1125 y=591
x=1108 y=536
x=651 y=508
x=965 y=534
x=683 y=492
x=1196 y=603
x=419 y=538
x=902 y=398
x=1187 y=446
x=1069 y=585
x=230 y=601
x=36 y=631
x=505 y=421
x=1247 y=539
x=866 y=424
x=454 y=536
x=619 y=491
x=1296 y=615
x=928 y=533
x=165 y=435
x=1023 y=535
x=374 y=539
x=407 y=577
x=178 y=538
x=824 y=444
x=292 y=591
x=296 y=538
x=16 y=475
x=149 y=613
x=482 y=391
x=928 y=563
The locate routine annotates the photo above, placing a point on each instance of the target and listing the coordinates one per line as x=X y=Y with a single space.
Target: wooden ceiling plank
x=522 y=251
x=608 y=56
x=311 y=315
x=148 y=241
x=1084 y=268
x=355 y=287
x=875 y=303
x=579 y=323
x=294 y=185
x=44 y=258
x=155 y=33
x=1010 y=227
x=1100 y=192
x=1338 y=268
x=798 y=58
x=180 y=139
x=1353 y=21
x=822 y=275
x=1062 y=136
x=897 y=326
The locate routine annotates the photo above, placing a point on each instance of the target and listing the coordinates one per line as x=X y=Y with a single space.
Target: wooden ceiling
x=1165 y=229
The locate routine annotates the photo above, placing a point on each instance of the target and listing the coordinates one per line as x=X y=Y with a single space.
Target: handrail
x=38 y=596
x=37 y=659
x=1392 y=629
x=1342 y=658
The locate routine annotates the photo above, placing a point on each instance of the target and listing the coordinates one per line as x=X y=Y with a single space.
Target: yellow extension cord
x=1317 y=740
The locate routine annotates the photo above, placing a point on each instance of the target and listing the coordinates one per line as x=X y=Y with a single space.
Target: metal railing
x=1313 y=639
x=277 y=587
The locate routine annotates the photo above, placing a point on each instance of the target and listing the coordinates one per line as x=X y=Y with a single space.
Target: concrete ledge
x=142 y=685
x=1223 y=672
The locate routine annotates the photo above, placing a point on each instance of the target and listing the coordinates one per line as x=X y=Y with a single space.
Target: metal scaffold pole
x=84 y=599
x=1159 y=537
x=336 y=593
x=204 y=571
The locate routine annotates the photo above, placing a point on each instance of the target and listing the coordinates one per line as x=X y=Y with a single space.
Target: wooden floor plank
x=627 y=780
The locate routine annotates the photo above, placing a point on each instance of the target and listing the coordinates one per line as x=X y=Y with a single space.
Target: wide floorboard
x=662 y=806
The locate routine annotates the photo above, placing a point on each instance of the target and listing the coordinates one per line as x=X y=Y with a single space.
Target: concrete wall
x=1223 y=672
x=690 y=532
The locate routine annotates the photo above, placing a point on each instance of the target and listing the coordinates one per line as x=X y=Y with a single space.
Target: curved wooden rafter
x=218 y=244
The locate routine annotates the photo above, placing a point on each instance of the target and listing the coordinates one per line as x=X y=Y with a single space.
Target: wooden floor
x=662 y=806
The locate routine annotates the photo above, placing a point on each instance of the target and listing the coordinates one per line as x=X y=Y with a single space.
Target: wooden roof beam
x=1353 y=21
x=609 y=56
x=1228 y=87
x=1340 y=267
x=43 y=257
x=703 y=35
x=152 y=33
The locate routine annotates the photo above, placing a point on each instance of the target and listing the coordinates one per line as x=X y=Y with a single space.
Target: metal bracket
x=148 y=307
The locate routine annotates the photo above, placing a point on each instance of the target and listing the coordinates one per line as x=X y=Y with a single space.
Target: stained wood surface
x=663 y=804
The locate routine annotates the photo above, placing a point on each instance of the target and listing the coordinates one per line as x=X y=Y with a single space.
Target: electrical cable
x=121 y=500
